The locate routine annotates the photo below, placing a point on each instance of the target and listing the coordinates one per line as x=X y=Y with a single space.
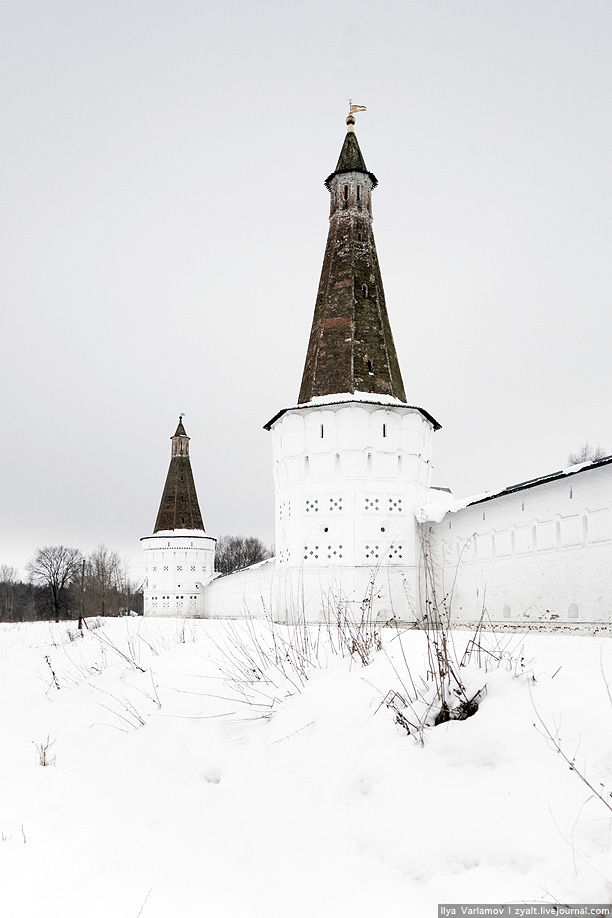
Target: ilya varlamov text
x=524 y=911
x=448 y=910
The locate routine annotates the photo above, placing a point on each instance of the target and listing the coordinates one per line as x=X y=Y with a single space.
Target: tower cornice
x=358 y=398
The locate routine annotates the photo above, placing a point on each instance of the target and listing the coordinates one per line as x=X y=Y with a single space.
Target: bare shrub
x=43 y=751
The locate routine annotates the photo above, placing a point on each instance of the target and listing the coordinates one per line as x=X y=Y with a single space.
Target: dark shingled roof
x=351 y=160
x=179 y=508
x=351 y=346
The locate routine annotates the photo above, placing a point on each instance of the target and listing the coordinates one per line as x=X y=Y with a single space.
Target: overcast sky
x=163 y=221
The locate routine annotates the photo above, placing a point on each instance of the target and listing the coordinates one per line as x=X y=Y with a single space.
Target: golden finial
x=350 y=121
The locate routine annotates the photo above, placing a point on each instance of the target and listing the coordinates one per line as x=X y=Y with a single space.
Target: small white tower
x=179 y=557
x=352 y=459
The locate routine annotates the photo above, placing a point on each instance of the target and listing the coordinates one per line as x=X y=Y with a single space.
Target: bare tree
x=55 y=567
x=586 y=453
x=132 y=599
x=8 y=582
x=103 y=581
x=235 y=552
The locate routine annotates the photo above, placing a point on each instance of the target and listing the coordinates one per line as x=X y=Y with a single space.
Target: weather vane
x=355 y=108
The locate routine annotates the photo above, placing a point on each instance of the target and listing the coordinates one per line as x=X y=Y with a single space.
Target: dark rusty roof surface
x=351 y=347
x=179 y=507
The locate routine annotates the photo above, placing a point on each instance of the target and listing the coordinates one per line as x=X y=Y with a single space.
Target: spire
x=179 y=508
x=351 y=158
x=351 y=347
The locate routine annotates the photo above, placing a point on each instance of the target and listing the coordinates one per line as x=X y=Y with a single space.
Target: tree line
x=63 y=584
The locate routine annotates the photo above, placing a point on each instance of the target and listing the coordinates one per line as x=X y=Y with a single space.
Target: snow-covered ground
x=178 y=788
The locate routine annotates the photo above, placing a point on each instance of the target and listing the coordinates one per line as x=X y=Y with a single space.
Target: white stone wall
x=177 y=568
x=245 y=594
x=543 y=552
x=347 y=478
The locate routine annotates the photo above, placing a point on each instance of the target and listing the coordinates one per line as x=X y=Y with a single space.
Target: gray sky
x=163 y=221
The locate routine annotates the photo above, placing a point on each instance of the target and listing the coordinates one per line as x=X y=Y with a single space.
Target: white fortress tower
x=352 y=459
x=179 y=557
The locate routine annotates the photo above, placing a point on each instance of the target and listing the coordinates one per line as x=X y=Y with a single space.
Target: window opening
x=346 y=188
x=370 y=367
x=384 y=430
x=358 y=191
x=364 y=291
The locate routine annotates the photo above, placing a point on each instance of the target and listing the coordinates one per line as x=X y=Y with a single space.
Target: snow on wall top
x=443 y=502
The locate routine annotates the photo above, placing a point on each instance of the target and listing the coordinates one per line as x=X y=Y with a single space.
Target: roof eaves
x=436 y=425
x=544 y=479
x=370 y=175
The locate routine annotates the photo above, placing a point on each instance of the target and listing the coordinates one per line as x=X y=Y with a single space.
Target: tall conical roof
x=179 y=508
x=351 y=347
x=351 y=158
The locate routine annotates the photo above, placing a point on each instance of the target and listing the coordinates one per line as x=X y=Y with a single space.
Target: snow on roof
x=442 y=502
x=180 y=534
x=377 y=397
x=250 y=567
x=370 y=398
